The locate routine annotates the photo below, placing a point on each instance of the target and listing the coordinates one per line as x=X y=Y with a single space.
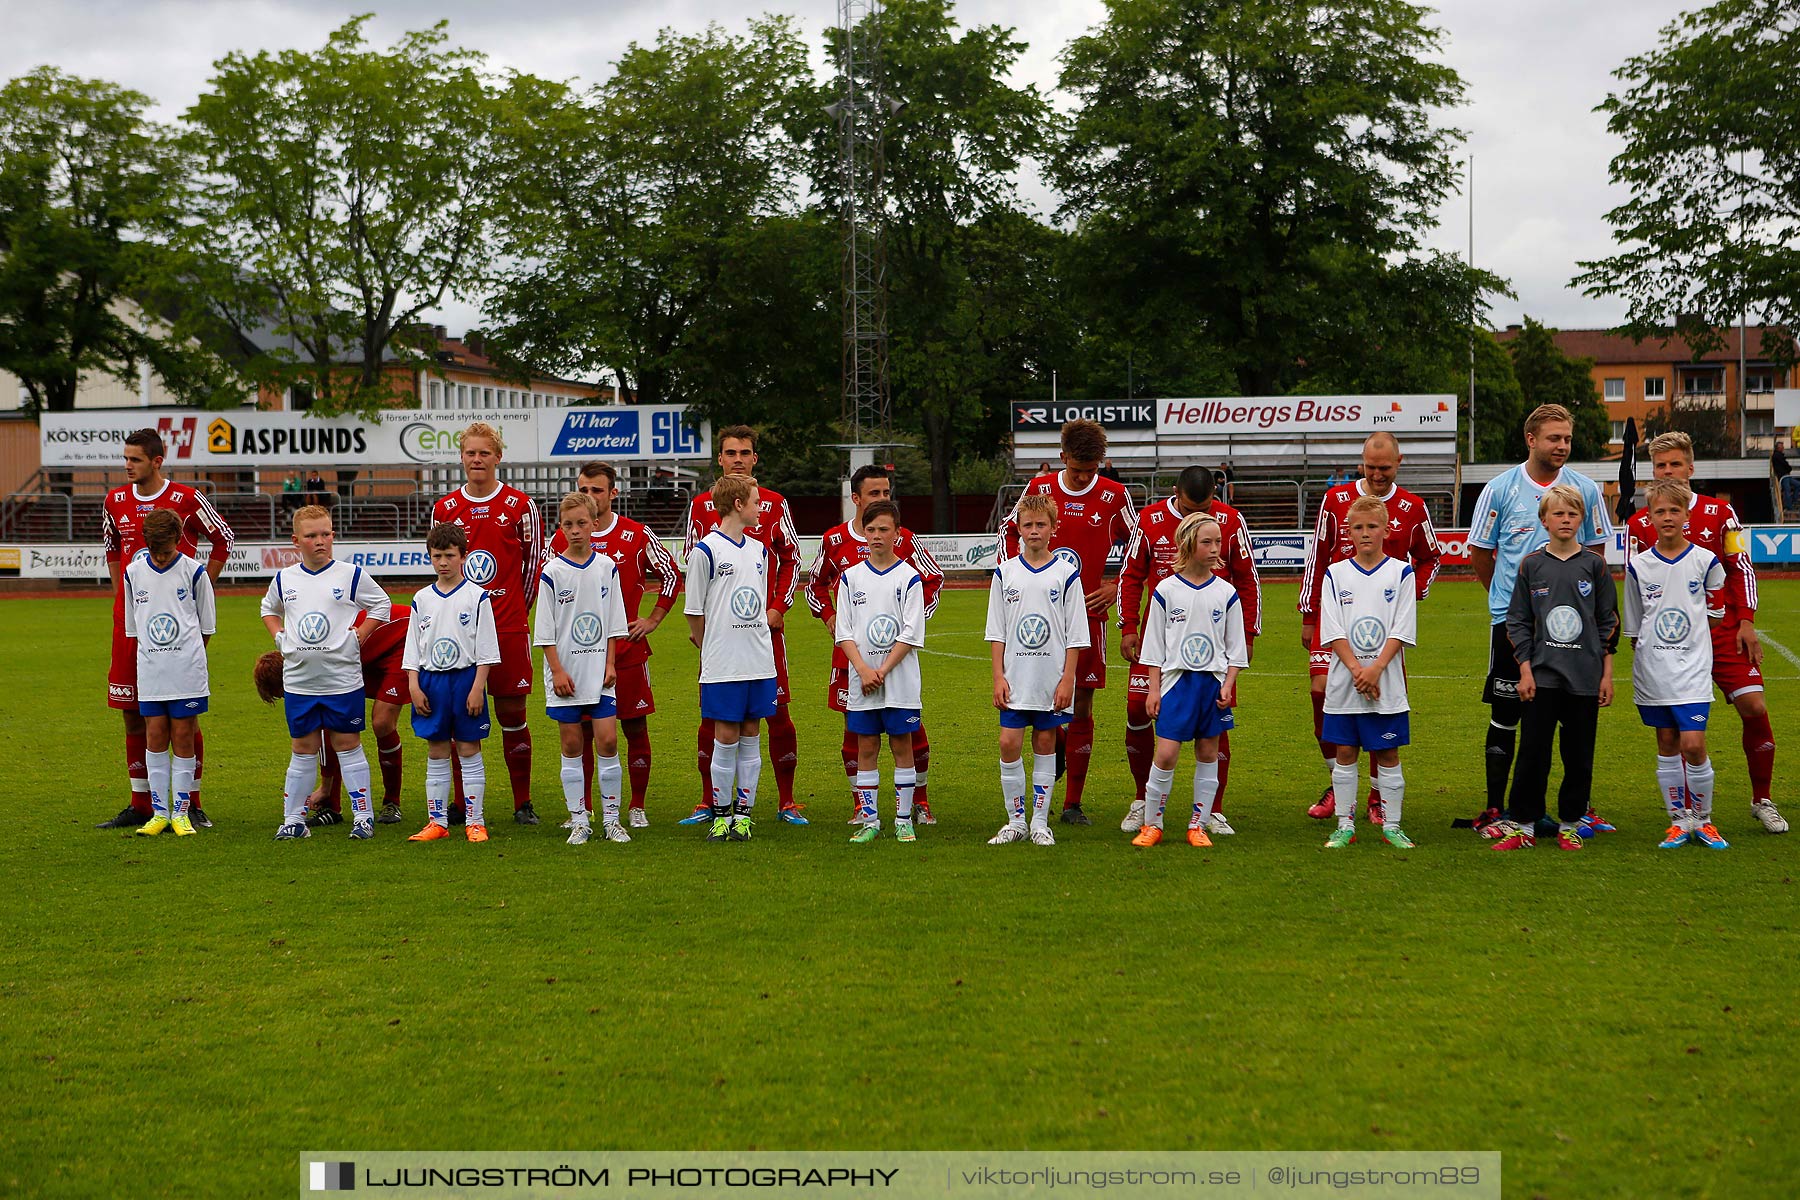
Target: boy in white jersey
x=1037 y=627
x=451 y=645
x=1368 y=616
x=728 y=620
x=580 y=622
x=1194 y=647
x=1674 y=593
x=880 y=622
x=310 y=610
x=169 y=614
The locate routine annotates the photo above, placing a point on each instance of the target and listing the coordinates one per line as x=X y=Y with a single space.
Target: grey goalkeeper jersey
x=1564 y=619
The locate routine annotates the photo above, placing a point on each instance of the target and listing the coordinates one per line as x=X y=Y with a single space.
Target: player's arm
x=273 y=610
x=1240 y=565
x=1521 y=631
x=1484 y=537
x=1237 y=651
x=1599 y=525
x=654 y=560
x=377 y=608
x=699 y=579
x=1134 y=573
x=995 y=634
x=487 y=651
x=1632 y=618
x=219 y=536
x=845 y=633
x=931 y=577
x=1125 y=516
x=111 y=543
x=1312 y=580
x=206 y=606
x=130 y=614
x=1714 y=587
x=409 y=662
x=1740 y=586
x=785 y=546
x=821 y=587
x=1009 y=532
x=1424 y=554
x=1075 y=626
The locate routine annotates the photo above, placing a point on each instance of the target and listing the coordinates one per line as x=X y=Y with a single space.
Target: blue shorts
x=739 y=700
x=892 y=721
x=176 y=709
x=1012 y=718
x=1368 y=731
x=569 y=714
x=342 y=713
x=1190 y=709
x=448 y=694
x=1656 y=716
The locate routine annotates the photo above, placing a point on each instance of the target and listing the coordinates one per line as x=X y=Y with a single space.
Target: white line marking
x=1780 y=649
x=947 y=654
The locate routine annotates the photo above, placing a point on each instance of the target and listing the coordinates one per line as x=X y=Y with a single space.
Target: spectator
x=315 y=488
x=290 y=492
x=1108 y=471
x=1789 y=483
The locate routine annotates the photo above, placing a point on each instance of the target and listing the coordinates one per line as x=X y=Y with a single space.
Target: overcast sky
x=1535 y=69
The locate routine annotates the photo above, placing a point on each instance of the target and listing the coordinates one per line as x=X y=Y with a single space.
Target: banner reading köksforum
x=199 y=440
x=1300 y=415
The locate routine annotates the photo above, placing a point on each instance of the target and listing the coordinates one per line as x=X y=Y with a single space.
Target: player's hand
x=561 y=684
x=611 y=678
x=642 y=628
x=1228 y=694
x=477 y=701
x=1307 y=634
x=871 y=680
x=1606 y=692
x=1153 y=704
x=1750 y=644
x=1101 y=597
x=1249 y=650
x=1129 y=643
x=776 y=617
x=1527 y=688
x=419 y=702
x=1002 y=694
x=1065 y=693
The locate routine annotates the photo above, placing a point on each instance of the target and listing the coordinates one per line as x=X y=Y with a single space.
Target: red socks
x=637 y=763
x=1759 y=753
x=387 y=756
x=849 y=752
x=706 y=745
x=1224 y=770
x=784 y=752
x=1140 y=748
x=1326 y=748
x=921 y=763
x=135 y=750
x=515 y=745
x=587 y=763
x=1077 y=750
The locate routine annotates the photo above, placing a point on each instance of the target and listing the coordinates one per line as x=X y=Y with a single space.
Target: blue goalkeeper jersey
x=1506 y=522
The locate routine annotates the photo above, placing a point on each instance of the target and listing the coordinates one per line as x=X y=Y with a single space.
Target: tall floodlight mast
x=862 y=111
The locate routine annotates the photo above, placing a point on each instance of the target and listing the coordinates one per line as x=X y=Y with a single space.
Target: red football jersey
x=1410 y=538
x=382 y=653
x=506 y=548
x=776 y=531
x=639 y=555
x=1088 y=524
x=842 y=548
x=1712 y=525
x=1150 y=559
x=122 y=522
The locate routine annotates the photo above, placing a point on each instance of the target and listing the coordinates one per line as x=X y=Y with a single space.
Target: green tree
x=344 y=193
x=1713 y=168
x=1707 y=424
x=1548 y=376
x=653 y=234
x=1244 y=168
x=88 y=188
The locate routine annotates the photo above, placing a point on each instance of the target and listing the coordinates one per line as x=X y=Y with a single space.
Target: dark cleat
x=198 y=816
x=128 y=818
x=1072 y=815
x=525 y=814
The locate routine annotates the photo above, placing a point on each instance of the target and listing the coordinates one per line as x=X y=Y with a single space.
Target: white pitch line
x=947 y=654
x=1781 y=649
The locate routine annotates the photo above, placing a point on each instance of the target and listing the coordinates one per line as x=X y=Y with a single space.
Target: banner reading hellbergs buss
x=1300 y=415
x=249 y=438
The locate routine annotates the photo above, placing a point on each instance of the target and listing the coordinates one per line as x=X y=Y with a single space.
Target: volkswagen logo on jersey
x=443 y=654
x=1368 y=635
x=586 y=628
x=313 y=628
x=162 y=629
x=746 y=604
x=1033 y=631
x=1672 y=626
x=883 y=631
x=1563 y=624
x=1196 y=651
x=1068 y=556
x=480 y=568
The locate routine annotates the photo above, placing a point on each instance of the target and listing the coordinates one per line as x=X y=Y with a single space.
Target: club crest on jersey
x=313 y=628
x=1368 y=635
x=1584 y=587
x=1387 y=594
x=1196 y=651
x=1054 y=594
x=1693 y=587
x=162 y=629
x=181 y=593
x=1033 y=631
x=883 y=631
x=444 y=653
x=1672 y=625
x=1218 y=615
x=480 y=568
x=585 y=629
x=463 y=618
x=337 y=593
x=746 y=604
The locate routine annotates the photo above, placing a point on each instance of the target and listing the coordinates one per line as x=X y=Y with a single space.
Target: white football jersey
x=319 y=651
x=876 y=609
x=169 y=610
x=451 y=630
x=580 y=610
x=1194 y=627
x=1667 y=602
x=726 y=584
x=1367 y=608
x=1037 y=613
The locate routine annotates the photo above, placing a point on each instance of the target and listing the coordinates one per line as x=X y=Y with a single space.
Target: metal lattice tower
x=862 y=111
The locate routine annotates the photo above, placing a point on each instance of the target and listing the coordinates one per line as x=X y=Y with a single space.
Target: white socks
x=474 y=786
x=182 y=783
x=609 y=776
x=1206 y=790
x=302 y=770
x=1392 y=786
x=1043 y=782
x=1012 y=790
x=1344 y=778
x=156 y=766
x=355 y=766
x=1700 y=791
x=724 y=776
x=1670 y=782
x=867 y=788
x=749 y=771
x=572 y=781
x=437 y=791
x=1156 y=795
x=904 y=781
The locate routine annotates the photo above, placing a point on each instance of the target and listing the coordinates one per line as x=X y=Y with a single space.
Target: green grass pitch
x=182 y=1017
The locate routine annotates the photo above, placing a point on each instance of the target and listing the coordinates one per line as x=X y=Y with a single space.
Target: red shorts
x=1137 y=692
x=1321 y=657
x=121 y=677
x=1090 y=665
x=387 y=687
x=838 y=692
x=781 y=674
x=631 y=687
x=1734 y=673
x=512 y=676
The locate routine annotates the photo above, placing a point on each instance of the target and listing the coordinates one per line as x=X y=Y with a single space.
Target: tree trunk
x=938 y=448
